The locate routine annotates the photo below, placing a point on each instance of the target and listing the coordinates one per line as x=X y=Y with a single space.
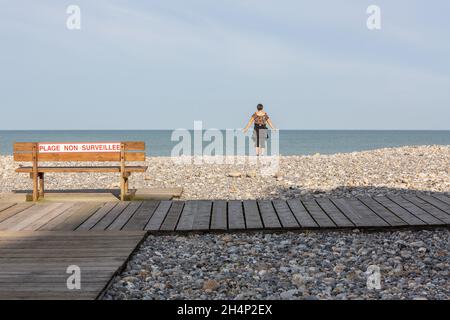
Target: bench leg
x=41 y=185
x=126 y=185
x=34 y=176
x=122 y=188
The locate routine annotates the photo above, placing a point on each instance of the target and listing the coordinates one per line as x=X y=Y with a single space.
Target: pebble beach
x=413 y=264
x=377 y=172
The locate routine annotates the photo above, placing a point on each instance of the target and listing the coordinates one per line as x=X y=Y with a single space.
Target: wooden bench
x=120 y=152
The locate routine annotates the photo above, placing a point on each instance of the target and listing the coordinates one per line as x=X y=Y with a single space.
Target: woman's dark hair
x=260 y=107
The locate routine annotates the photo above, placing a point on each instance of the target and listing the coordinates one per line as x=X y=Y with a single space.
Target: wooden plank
x=285 y=214
x=23 y=146
x=190 y=211
x=171 y=220
x=268 y=215
x=39 y=271
x=252 y=216
x=387 y=215
x=134 y=145
x=109 y=218
x=358 y=213
x=157 y=214
x=435 y=202
x=36 y=224
x=129 y=145
x=82 y=169
x=202 y=216
x=371 y=218
x=186 y=219
x=6 y=205
x=142 y=216
x=219 y=215
x=235 y=215
x=27 y=216
x=429 y=208
x=81 y=157
x=63 y=253
x=318 y=214
x=334 y=213
x=443 y=198
x=301 y=214
x=418 y=212
x=403 y=214
x=12 y=211
x=125 y=216
x=72 y=218
x=96 y=217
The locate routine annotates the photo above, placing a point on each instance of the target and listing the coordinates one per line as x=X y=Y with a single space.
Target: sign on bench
x=120 y=152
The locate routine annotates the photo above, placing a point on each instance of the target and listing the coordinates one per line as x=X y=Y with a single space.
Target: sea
x=289 y=142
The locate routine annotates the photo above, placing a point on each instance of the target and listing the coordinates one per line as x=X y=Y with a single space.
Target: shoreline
x=403 y=170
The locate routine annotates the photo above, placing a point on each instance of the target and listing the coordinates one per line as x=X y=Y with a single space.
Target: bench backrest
x=79 y=151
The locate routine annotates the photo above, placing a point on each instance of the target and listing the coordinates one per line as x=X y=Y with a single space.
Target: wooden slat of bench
x=301 y=214
x=285 y=214
x=334 y=213
x=156 y=217
x=318 y=214
x=387 y=215
x=80 y=157
x=268 y=215
x=219 y=215
x=435 y=212
x=202 y=216
x=96 y=217
x=109 y=218
x=13 y=210
x=129 y=145
x=82 y=169
x=252 y=216
x=125 y=216
x=235 y=215
x=171 y=220
x=418 y=212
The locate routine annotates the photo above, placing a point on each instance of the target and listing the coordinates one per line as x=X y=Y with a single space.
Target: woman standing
x=260 y=135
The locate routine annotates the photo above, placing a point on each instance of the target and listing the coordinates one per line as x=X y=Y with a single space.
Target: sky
x=164 y=64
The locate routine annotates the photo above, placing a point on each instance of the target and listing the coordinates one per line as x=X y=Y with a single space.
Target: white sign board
x=79 y=147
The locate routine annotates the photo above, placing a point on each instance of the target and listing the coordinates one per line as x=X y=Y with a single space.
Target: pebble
x=201 y=267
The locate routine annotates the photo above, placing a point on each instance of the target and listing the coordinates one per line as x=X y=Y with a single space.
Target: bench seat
x=82 y=169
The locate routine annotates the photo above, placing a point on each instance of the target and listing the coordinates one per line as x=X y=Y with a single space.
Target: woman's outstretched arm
x=248 y=124
x=269 y=122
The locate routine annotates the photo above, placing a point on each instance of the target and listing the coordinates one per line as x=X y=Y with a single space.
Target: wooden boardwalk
x=39 y=241
x=33 y=265
x=205 y=215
